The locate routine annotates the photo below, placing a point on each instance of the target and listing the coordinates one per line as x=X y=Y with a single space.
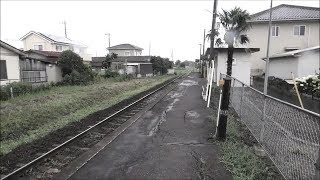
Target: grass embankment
x=240 y=158
x=238 y=152
x=30 y=117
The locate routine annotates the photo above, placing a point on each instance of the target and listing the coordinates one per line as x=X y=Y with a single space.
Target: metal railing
x=289 y=134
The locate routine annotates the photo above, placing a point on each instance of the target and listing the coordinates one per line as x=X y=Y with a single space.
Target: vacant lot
x=30 y=117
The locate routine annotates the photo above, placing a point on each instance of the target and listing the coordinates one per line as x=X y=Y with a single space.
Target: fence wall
x=289 y=134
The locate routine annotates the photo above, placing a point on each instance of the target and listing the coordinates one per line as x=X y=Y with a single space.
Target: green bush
x=110 y=74
x=74 y=71
x=309 y=85
x=20 y=88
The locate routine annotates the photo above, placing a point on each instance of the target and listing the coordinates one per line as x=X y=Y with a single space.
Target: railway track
x=46 y=165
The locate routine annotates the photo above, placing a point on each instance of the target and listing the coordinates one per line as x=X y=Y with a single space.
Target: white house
x=126 y=50
x=301 y=63
x=31 y=66
x=293 y=28
x=47 y=42
x=240 y=65
x=10 y=63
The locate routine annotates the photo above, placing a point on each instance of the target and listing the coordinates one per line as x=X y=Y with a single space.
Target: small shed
x=301 y=63
x=240 y=65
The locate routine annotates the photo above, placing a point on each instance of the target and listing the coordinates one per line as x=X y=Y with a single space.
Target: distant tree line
x=183 y=64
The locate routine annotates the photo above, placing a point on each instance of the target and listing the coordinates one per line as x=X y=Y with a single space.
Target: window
x=127 y=53
x=3 y=70
x=299 y=30
x=38 y=47
x=34 y=76
x=275 y=31
x=58 y=48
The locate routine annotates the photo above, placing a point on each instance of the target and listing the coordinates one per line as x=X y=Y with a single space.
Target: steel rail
x=24 y=167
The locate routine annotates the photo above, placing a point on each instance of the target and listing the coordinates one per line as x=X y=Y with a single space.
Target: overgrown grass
x=240 y=158
x=32 y=116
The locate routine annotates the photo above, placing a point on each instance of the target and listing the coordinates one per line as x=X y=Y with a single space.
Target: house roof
x=54 y=38
x=245 y=50
x=125 y=47
x=292 y=53
x=49 y=56
x=285 y=12
x=11 y=48
x=97 y=61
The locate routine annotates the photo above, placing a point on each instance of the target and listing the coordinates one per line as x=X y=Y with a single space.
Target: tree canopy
x=74 y=71
x=160 y=64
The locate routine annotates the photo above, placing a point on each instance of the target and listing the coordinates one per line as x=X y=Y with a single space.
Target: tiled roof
x=54 y=38
x=125 y=47
x=97 y=61
x=293 y=53
x=49 y=56
x=11 y=48
x=47 y=53
x=285 y=12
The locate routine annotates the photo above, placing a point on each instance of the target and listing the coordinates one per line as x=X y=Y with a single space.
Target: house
x=41 y=67
x=293 y=28
x=240 y=64
x=125 y=50
x=10 y=63
x=136 y=65
x=31 y=66
x=47 y=42
x=301 y=63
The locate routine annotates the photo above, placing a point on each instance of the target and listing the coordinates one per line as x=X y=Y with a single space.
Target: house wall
x=54 y=73
x=122 y=52
x=282 y=67
x=308 y=63
x=258 y=35
x=31 y=40
x=12 y=63
x=240 y=70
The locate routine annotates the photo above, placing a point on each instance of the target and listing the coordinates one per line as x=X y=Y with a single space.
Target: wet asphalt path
x=170 y=141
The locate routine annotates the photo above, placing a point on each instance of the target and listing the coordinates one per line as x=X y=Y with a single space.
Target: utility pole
x=200 y=50
x=108 y=34
x=223 y=116
x=172 y=54
x=149 y=48
x=266 y=74
x=204 y=41
x=65 y=28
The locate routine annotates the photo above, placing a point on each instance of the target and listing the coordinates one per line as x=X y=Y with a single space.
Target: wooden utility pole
x=204 y=41
x=65 y=29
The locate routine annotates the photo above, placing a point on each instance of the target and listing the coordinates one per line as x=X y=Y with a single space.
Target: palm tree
x=236 y=24
x=216 y=33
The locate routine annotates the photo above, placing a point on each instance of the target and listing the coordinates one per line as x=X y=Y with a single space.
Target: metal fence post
x=263 y=119
x=242 y=90
x=317 y=168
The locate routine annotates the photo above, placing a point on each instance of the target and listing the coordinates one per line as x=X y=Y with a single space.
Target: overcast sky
x=166 y=25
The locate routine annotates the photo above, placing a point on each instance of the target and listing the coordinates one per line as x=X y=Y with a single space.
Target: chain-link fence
x=289 y=134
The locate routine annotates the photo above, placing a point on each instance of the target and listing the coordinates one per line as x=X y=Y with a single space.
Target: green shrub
x=110 y=74
x=74 y=71
x=19 y=88
x=309 y=85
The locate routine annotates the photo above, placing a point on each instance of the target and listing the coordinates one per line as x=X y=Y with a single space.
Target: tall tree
x=109 y=58
x=236 y=24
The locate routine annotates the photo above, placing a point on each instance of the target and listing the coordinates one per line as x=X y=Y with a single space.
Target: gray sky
x=167 y=25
